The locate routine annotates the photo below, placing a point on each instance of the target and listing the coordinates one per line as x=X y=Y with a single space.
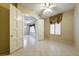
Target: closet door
x=13 y=37
x=19 y=29
x=16 y=29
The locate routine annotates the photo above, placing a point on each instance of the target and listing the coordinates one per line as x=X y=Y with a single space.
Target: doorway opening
x=29 y=31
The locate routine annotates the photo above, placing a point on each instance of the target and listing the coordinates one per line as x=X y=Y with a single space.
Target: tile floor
x=45 y=48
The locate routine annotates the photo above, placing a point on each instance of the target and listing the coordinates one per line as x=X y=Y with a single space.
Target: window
x=32 y=29
x=55 y=29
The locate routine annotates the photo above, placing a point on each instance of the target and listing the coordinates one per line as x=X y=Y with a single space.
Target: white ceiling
x=29 y=20
x=34 y=6
x=60 y=7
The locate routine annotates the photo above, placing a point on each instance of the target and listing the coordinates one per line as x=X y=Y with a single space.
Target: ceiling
x=60 y=7
x=34 y=6
x=37 y=8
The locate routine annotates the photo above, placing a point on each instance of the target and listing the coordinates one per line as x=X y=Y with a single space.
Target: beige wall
x=66 y=28
x=27 y=10
x=5 y=5
x=4 y=29
x=76 y=26
x=46 y=29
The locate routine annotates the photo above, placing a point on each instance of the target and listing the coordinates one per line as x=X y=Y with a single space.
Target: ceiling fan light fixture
x=49 y=5
x=47 y=12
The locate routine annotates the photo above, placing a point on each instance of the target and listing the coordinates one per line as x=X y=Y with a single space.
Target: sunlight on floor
x=29 y=40
x=47 y=48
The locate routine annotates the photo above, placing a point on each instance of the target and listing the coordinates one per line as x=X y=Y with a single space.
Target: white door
x=13 y=38
x=40 y=29
x=20 y=30
x=16 y=35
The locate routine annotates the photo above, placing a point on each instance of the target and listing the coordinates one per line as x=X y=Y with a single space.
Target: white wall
x=39 y=22
x=40 y=29
x=76 y=26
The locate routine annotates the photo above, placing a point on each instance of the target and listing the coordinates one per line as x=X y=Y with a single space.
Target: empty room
x=39 y=29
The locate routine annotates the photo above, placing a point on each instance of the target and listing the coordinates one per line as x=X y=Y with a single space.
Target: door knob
x=11 y=35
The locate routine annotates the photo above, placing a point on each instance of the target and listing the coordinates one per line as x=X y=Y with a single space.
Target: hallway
x=29 y=39
x=47 y=48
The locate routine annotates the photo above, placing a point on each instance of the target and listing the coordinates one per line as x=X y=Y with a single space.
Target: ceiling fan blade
x=52 y=6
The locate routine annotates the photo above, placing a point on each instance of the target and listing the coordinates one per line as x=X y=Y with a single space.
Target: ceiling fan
x=49 y=5
x=46 y=10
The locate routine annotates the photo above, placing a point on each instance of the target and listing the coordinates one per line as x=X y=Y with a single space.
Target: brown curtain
x=55 y=19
